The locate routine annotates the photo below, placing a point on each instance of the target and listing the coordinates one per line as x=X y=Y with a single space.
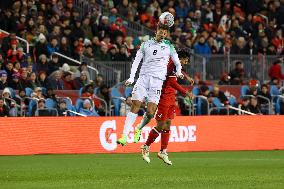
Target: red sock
x=152 y=136
x=165 y=136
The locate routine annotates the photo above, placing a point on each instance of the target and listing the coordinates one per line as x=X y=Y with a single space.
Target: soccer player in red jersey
x=166 y=110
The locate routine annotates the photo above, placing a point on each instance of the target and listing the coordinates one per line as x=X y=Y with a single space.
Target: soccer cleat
x=122 y=140
x=145 y=153
x=164 y=156
x=137 y=135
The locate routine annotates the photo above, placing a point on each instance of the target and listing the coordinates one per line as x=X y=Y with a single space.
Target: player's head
x=162 y=32
x=183 y=55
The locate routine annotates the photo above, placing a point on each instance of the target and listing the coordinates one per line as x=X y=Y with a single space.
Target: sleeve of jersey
x=176 y=60
x=136 y=62
x=176 y=86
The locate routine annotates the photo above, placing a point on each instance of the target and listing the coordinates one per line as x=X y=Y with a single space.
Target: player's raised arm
x=176 y=61
x=135 y=64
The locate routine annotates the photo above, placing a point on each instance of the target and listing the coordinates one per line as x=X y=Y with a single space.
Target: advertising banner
x=79 y=135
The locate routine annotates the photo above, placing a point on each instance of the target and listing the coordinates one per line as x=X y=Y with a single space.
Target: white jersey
x=155 y=57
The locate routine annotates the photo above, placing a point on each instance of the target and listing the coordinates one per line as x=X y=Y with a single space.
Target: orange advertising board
x=65 y=135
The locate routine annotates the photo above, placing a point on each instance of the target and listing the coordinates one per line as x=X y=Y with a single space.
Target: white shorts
x=147 y=87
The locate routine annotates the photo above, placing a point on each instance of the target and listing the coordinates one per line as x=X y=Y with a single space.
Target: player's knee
x=159 y=128
x=167 y=125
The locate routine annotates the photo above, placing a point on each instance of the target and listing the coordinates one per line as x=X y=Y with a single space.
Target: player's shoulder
x=167 y=42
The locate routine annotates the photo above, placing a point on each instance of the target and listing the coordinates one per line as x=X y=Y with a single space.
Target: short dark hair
x=183 y=53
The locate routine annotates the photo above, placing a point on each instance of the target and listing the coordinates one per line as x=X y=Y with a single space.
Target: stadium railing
x=20 y=39
x=111 y=74
x=255 y=66
x=212 y=67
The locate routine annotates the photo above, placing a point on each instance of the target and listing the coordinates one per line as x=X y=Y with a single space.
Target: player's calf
x=146 y=119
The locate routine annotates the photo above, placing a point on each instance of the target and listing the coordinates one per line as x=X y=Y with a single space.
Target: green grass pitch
x=196 y=170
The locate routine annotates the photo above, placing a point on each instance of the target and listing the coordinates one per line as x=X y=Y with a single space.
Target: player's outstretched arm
x=173 y=82
x=135 y=64
x=176 y=61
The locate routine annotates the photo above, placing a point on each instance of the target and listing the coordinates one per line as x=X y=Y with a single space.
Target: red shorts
x=165 y=112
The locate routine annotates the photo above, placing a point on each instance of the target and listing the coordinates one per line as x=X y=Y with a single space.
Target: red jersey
x=170 y=86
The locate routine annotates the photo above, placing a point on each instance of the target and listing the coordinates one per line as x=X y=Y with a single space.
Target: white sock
x=129 y=121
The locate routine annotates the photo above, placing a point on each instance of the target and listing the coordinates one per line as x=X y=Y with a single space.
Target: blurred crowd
x=206 y=26
x=214 y=26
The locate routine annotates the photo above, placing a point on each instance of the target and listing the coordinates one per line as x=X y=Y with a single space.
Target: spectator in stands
x=87 y=28
x=3 y=79
x=123 y=55
x=237 y=74
x=68 y=82
x=42 y=64
x=216 y=92
x=117 y=28
x=24 y=80
x=113 y=53
x=104 y=55
x=204 y=91
x=81 y=68
x=9 y=102
x=88 y=109
x=42 y=79
x=40 y=47
x=15 y=84
x=275 y=70
x=202 y=47
x=13 y=54
x=9 y=70
x=40 y=106
x=88 y=91
x=254 y=106
x=4 y=110
x=51 y=94
x=239 y=47
x=53 y=64
x=262 y=102
x=62 y=108
x=253 y=88
x=224 y=80
x=99 y=81
x=89 y=52
x=33 y=82
x=52 y=46
x=81 y=81
x=55 y=81
x=65 y=48
x=37 y=94
x=244 y=105
x=125 y=106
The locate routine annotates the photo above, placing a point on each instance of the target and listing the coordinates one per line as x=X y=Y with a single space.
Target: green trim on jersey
x=143 y=47
x=166 y=42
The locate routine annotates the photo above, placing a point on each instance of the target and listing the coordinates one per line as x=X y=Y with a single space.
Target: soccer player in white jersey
x=155 y=54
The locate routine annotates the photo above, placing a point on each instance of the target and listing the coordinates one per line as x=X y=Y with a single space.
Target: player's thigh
x=171 y=112
x=139 y=91
x=151 y=108
x=155 y=90
x=162 y=113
